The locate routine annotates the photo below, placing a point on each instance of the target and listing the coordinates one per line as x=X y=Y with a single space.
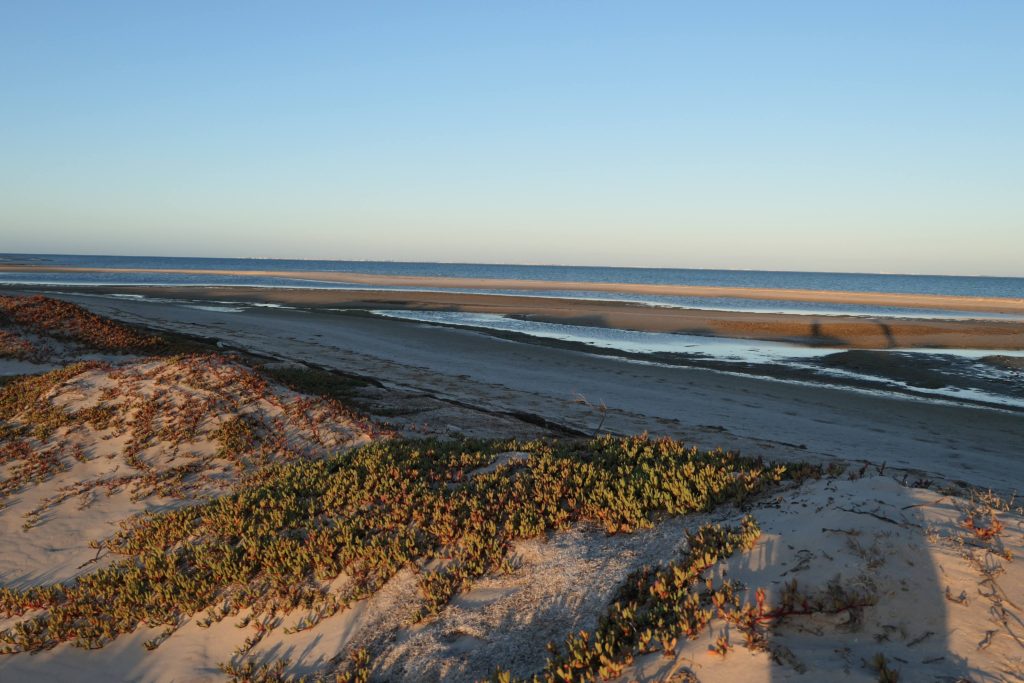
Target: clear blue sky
x=858 y=136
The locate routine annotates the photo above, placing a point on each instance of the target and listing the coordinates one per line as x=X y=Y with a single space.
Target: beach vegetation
x=276 y=545
x=70 y=322
x=161 y=412
x=18 y=347
x=656 y=607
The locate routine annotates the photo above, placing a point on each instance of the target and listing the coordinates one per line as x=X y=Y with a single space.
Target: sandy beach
x=471 y=368
x=905 y=565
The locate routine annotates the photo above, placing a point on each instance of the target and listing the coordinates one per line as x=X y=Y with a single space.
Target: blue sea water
x=997 y=287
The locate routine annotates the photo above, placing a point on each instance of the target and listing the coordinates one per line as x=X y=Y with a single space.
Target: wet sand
x=958 y=303
x=815 y=330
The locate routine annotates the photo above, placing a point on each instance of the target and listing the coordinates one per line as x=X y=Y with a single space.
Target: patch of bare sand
x=562 y=584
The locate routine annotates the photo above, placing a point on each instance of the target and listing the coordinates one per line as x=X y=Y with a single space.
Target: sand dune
x=142 y=435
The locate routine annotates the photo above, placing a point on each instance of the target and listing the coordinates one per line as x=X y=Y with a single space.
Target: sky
x=848 y=135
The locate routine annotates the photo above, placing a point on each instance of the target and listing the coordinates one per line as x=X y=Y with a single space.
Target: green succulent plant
x=272 y=546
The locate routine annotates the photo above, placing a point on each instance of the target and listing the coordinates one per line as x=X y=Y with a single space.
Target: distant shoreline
x=920 y=301
x=837 y=331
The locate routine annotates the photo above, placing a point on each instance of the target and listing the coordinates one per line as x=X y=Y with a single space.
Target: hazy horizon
x=797 y=136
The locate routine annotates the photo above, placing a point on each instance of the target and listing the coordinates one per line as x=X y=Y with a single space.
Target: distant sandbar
x=817 y=330
x=927 y=301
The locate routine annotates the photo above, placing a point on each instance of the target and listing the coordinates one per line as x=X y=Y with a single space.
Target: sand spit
x=960 y=303
x=825 y=330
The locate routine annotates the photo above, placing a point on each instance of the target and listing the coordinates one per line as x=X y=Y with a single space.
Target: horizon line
x=532 y=265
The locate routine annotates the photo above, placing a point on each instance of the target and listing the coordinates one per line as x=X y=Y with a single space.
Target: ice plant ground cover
x=273 y=547
x=178 y=426
x=39 y=316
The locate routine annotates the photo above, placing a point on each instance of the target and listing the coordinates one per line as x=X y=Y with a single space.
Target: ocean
x=1012 y=288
